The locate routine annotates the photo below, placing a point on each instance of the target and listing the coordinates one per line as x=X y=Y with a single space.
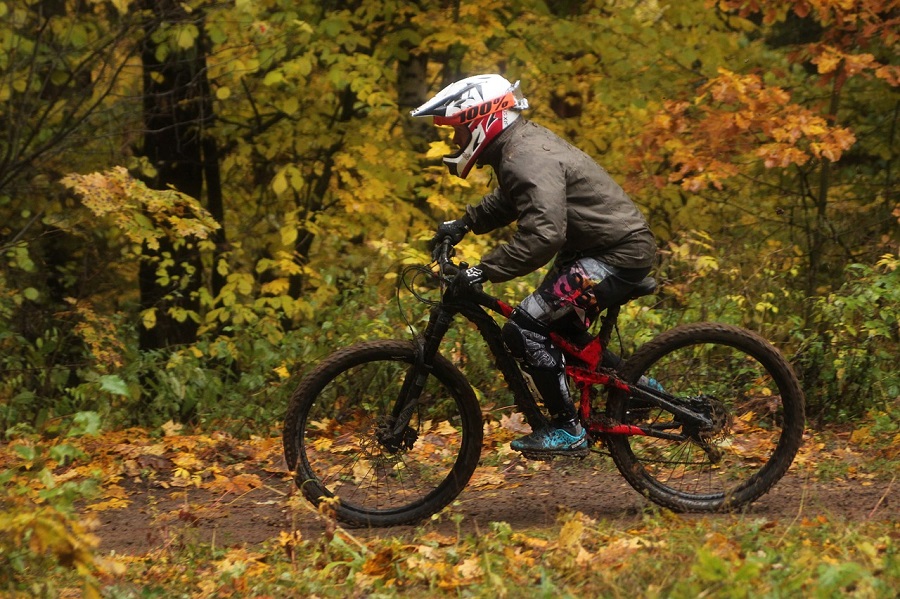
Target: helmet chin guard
x=484 y=105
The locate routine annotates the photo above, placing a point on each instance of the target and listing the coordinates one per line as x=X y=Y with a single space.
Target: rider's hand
x=453 y=230
x=473 y=276
x=470 y=277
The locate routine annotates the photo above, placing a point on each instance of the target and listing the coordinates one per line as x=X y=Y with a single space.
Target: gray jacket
x=564 y=203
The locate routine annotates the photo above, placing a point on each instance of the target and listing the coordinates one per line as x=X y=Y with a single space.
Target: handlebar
x=445 y=252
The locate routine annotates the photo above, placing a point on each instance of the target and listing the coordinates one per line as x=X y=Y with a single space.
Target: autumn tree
x=61 y=68
x=761 y=131
x=816 y=159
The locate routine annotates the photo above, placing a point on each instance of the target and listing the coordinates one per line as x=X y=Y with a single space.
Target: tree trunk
x=176 y=108
x=819 y=236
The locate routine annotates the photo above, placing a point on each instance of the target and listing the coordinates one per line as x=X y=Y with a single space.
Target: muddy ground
x=525 y=498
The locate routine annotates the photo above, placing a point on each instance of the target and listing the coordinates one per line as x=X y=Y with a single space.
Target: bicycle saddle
x=645 y=287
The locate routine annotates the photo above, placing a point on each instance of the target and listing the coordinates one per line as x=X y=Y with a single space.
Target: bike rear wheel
x=748 y=389
x=334 y=435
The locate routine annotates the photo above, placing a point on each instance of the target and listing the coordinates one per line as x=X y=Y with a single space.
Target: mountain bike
x=705 y=417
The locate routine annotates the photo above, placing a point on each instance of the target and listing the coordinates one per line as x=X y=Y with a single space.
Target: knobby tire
x=745 y=377
x=332 y=444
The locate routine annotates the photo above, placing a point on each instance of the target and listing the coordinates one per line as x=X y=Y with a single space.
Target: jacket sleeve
x=535 y=189
x=495 y=211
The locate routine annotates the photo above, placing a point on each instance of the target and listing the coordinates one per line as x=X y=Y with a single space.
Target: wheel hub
x=395 y=442
x=720 y=424
x=721 y=419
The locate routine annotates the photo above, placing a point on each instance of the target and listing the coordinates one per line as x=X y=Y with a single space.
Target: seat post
x=607 y=324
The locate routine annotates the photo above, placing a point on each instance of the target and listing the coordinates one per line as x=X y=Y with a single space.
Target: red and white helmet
x=478 y=108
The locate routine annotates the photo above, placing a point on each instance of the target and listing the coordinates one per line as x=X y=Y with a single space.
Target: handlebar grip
x=445 y=252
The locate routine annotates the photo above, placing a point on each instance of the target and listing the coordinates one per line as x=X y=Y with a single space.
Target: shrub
x=849 y=360
x=43 y=537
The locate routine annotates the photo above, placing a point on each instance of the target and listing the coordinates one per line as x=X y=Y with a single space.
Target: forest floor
x=253 y=498
x=171 y=512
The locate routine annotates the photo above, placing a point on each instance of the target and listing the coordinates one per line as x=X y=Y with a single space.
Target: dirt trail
x=157 y=516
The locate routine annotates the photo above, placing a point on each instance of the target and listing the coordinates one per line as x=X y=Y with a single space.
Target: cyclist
x=565 y=207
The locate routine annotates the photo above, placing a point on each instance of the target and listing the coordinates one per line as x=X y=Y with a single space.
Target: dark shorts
x=574 y=294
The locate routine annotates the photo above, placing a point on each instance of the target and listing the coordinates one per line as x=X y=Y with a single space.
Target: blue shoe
x=552 y=441
x=651 y=382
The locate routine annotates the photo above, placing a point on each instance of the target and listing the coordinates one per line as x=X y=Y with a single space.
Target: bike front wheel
x=335 y=441
x=743 y=384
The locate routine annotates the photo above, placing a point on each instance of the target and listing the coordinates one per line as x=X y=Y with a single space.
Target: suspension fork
x=416 y=376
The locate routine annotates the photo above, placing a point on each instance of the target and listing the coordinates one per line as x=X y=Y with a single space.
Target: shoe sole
x=548 y=454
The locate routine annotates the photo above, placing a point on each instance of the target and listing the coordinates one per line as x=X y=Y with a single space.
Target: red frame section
x=586 y=376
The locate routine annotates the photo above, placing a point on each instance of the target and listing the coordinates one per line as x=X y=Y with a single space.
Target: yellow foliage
x=127 y=202
x=437 y=149
x=40 y=531
x=99 y=334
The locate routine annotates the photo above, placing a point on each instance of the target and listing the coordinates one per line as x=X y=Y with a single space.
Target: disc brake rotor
x=717 y=430
x=393 y=443
x=721 y=420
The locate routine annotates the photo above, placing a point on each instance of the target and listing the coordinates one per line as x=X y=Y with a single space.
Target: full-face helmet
x=478 y=108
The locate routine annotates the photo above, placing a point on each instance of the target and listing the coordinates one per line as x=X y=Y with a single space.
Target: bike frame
x=583 y=366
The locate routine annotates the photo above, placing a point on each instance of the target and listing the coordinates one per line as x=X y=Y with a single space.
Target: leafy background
x=200 y=199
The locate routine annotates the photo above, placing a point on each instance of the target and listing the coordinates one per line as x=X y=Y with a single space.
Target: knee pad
x=514 y=339
x=531 y=347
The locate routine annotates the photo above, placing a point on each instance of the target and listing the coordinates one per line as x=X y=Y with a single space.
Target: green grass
x=663 y=556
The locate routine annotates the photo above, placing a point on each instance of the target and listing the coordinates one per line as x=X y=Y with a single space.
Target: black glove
x=454 y=230
x=470 y=276
x=474 y=276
